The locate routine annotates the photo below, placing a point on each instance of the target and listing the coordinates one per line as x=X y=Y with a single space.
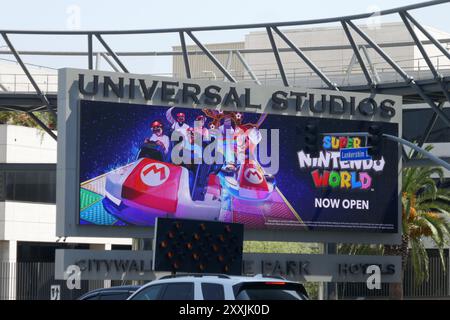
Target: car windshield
x=269 y=294
x=267 y=291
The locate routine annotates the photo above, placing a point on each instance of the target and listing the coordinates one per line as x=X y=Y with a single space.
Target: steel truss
x=414 y=91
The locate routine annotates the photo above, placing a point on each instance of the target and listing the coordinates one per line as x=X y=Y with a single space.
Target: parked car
x=220 y=287
x=113 y=293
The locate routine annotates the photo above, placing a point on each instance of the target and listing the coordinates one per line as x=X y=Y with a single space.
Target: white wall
x=26 y=145
x=3 y=138
x=36 y=222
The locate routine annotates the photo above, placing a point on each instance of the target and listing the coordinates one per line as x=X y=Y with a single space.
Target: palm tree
x=425 y=214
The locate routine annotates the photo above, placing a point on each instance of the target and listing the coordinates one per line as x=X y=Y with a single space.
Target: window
x=416 y=120
x=149 y=293
x=268 y=294
x=28 y=182
x=270 y=291
x=213 y=291
x=179 y=291
x=123 y=295
x=2 y=186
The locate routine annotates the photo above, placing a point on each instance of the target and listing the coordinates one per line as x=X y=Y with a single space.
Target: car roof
x=115 y=288
x=128 y=287
x=225 y=279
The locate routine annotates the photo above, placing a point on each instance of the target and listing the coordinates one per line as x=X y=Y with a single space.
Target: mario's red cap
x=180 y=114
x=156 y=124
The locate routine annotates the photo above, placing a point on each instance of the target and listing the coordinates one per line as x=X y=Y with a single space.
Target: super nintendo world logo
x=333 y=172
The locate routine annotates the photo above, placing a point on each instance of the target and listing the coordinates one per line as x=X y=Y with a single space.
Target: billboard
x=134 y=148
x=138 y=162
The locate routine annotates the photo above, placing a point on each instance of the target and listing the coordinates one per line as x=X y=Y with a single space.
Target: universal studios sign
x=119 y=92
x=165 y=91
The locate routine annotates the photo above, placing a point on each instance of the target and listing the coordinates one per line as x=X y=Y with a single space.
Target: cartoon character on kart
x=153 y=187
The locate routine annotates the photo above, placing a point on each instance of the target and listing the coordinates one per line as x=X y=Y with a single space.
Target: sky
x=150 y=14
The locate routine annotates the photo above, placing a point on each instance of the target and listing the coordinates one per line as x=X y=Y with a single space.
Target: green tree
x=425 y=214
x=23 y=119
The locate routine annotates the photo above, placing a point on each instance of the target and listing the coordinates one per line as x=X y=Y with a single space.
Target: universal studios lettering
x=213 y=95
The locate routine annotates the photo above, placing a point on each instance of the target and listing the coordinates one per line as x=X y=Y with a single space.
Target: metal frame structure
x=434 y=92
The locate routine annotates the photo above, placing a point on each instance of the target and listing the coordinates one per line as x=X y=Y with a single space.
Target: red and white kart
x=150 y=188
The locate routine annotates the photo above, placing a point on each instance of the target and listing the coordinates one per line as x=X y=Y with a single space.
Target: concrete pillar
x=107 y=283
x=321 y=293
x=8 y=263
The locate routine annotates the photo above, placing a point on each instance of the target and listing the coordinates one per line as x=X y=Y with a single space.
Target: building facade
x=28 y=209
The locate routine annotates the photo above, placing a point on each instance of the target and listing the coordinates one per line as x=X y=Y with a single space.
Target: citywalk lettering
x=335 y=173
x=288 y=268
x=177 y=92
x=112 y=265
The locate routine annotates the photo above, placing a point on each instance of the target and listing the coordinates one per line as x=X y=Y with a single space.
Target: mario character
x=158 y=136
x=178 y=124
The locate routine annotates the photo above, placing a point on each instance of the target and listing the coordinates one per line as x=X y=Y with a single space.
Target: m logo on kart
x=155 y=174
x=253 y=176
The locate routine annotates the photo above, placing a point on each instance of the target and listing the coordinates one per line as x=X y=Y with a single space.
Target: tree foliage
x=23 y=119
